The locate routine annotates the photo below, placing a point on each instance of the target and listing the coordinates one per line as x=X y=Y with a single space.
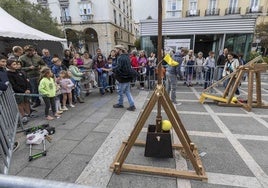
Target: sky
x=144 y=8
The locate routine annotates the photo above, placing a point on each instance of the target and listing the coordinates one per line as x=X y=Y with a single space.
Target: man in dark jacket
x=31 y=64
x=4 y=86
x=3 y=73
x=123 y=74
x=221 y=62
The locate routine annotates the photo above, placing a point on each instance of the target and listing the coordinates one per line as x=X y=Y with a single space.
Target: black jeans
x=208 y=78
x=49 y=101
x=111 y=80
x=34 y=89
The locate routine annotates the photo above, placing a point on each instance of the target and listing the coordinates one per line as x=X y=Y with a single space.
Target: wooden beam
x=163 y=172
x=143 y=143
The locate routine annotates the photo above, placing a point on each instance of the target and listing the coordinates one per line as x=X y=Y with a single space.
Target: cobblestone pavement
x=232 y=143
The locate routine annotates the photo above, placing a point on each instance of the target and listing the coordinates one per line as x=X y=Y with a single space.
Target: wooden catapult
x=161 y=98
x=252 y=68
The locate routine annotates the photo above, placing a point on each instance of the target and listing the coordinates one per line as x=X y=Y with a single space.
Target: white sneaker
x=24 y=120
x=59 y=112
x=71 y=105
x=176 y=103
x=64 y=108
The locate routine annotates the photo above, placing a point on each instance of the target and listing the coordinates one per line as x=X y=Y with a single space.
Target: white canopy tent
x=13 y=28
x=13 y=32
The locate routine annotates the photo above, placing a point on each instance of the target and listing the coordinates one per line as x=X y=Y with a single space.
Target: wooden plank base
x=162 y=172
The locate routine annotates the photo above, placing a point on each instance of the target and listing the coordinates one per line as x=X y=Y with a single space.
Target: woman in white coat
x=230 y=66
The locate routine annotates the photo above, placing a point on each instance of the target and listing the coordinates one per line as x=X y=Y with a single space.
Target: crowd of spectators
x=73 y=74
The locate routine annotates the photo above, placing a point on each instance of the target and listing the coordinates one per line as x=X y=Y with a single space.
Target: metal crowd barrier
x=9 y=119
x=148 y=80
x=23 y=182
x=197 y=77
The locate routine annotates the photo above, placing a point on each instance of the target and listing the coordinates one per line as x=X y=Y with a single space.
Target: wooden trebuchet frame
x=160 y=95
x=255 y=66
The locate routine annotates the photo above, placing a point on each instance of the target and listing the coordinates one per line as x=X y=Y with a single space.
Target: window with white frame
x=120 y=19
x=193 y=4
x=174 y=8
x=115 y=20
x=254 y=4
x=127 y=11
x=212 y=4
x=65 y=12
x=193 y=7
x=85 y=8
x=233 y=4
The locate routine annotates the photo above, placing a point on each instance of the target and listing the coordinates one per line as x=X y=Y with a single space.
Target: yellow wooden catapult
x=161 y=98
x=255 y=66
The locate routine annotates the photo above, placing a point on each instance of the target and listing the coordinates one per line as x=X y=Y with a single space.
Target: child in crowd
x=20 y=85
x=102 y=73
x=162 y=74
x=79 y=60
x=77 y=75
x=142 y=74
x=58 y=97
x=209 y=67
x=150 y=74
x=190 y=70
x=57 y=66
x=66 y=89
x=111 y=78
x=47 y=88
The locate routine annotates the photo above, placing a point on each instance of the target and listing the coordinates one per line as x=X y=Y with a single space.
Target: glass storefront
x=237 y=43
x=149 y=44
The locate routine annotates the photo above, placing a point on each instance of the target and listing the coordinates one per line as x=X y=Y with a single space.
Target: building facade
x=92 y=24
x=205 y=25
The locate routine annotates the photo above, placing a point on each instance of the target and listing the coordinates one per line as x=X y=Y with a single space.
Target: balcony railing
x=64 y=3
x=212 y=12
x=235 y=10
x=42 y=2
x=173 y=13
x=87 y=18
x=257 y=9
x=190 y=13
x=66 y=19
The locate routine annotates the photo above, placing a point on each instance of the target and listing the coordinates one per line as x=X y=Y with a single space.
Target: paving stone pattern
x=234 y=143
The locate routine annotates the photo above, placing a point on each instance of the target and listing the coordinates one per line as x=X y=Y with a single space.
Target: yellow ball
x=166 y=125
x=234 y=99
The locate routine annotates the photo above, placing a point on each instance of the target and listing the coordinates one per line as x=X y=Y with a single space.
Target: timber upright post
x=159 y=57
x=161 y=98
